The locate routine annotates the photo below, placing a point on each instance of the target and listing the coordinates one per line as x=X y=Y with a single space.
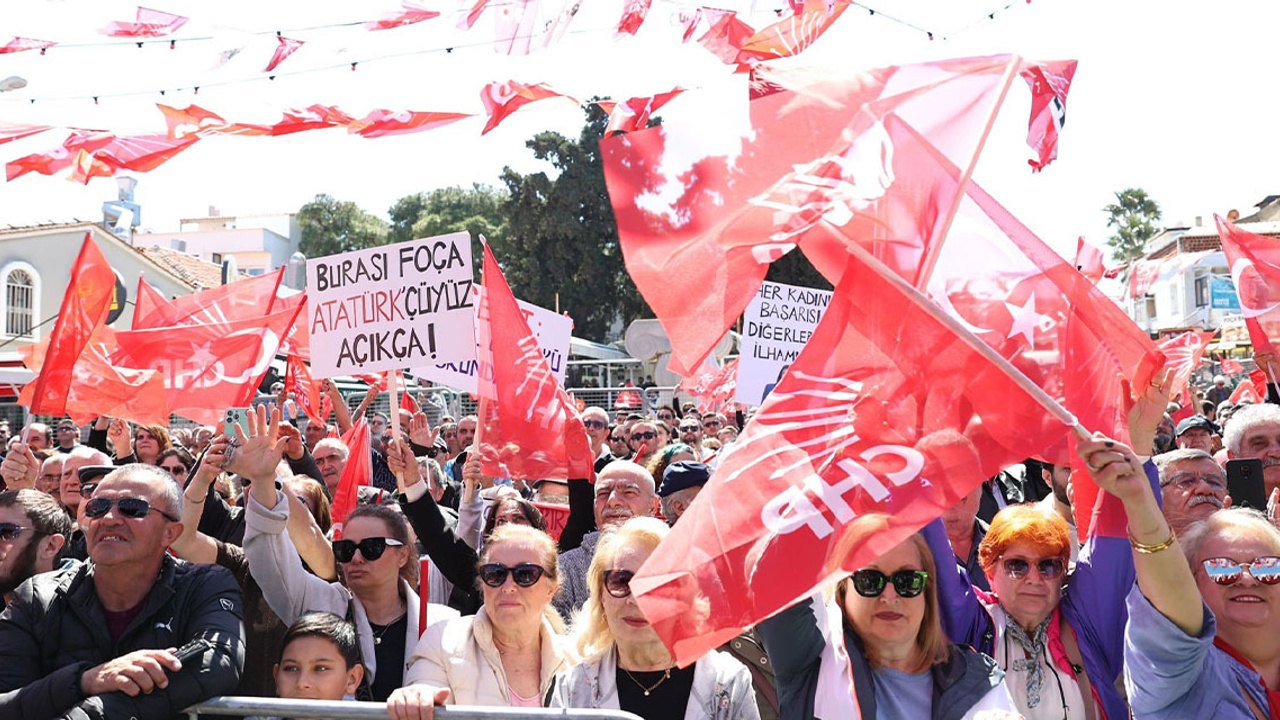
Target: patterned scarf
x=1035 y=647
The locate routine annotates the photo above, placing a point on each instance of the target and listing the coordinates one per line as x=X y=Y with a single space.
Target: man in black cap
x=681 y=483
x=1195 y=433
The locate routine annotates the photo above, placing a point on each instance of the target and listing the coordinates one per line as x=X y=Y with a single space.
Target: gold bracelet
x=1152 y=549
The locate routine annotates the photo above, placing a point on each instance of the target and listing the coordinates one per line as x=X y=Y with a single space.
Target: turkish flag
x=206 y=367
x=252 y=297
x=100 y=388
x=1143 y=275
x=726 y=37
x=1089 y=260
x=714 y=387
x=1247 y=392
x=85 y=304
x=312 y=117
x=297 y=380
x=1255 y=270
x=633 y=16
x=791 y=35
x=891 y=414
x=21 y=44
x=1049 y=82
x=357 y=473
x=107 y=153
x=502 y=99
x=1231 y=367
x=409 y=14
x=148 y=23
x=633 y=114
x=1182 y=354
x=529 y=428
x=820 y=161
x=195 y=120
x=284 y=48
x=381 y=123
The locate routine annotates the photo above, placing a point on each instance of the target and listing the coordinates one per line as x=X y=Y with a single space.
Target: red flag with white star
x=251 y=297
x=104 y=154
x=195 y=120
x=100 y=388
x=503 y=98
x=297 y=380
x=312 y=117
x=1255 y=269
x=791 y=35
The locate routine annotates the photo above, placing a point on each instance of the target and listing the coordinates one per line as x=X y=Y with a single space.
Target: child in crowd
x=319 y=659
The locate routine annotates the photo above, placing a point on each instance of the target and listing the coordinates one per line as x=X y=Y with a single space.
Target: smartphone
x=191 y=650
x=236 y=416
x=1245 y=485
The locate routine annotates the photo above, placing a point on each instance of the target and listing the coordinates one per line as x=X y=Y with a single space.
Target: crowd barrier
x=233 y=706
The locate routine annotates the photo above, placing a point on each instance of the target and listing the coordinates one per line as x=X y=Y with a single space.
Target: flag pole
x=934 y=248
x=1045 y=401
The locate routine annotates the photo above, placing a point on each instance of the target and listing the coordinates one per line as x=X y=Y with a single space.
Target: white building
x=259 y=243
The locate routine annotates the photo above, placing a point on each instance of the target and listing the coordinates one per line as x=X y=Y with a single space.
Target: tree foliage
x=477 y=210
x=562 y=238
x=1133 y=215
x=332 y=226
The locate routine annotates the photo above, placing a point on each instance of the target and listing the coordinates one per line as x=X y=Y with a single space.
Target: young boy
x=319 y=660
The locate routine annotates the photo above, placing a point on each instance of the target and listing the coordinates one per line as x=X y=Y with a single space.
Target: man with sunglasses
x=643 y=441
x=596 y=421
x=98 y=639
x=33 y=532
x=68 y=436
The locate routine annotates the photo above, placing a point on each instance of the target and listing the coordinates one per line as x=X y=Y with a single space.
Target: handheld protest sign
x=390 y=307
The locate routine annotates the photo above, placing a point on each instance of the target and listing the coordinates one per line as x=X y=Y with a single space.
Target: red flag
x=1049 y=82
x=1186 y=406
x=529 y=428
x=473 y=15
x=250 y=298
x=1182 y=354
x=823 y=161
x=1229 y=366
x=149 y=23
x=195 y=120
x=1255 y=270
x=357 y=473
x=284 y=48
x=832 y=470
x=312 y=117
x=409 y=14
x=84 y=307
x=21 y=44
x=1246 y=391
x=502 y=99
x=206 y=367
x=633 y=114
x=378 y=379
x=689 y=19
x=633 y=16
x=714 y=387
x=10 y=132
x=1143 y=275
x=100 y=388
x=407 y=401
x=297 y=380
x=140 y=153
x=380 y=123
x=1089 y=260
x=791 y=35
x=298 y=341
x=726 y=37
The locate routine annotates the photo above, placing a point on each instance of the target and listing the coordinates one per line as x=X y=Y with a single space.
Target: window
x=1202 y=290
x=217 y=258
x=19 y=293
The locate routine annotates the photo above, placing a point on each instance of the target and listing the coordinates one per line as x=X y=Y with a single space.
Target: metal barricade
x=235 y=706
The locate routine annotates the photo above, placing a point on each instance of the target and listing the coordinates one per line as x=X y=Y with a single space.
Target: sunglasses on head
x=1225 y=571
x=1049 y=568
x=595 y=424
x=11 y=531
x=129 y=507
x=618 y=582
x=372 y=548
x=870 y=583
x=525 y=574
x=644 y=436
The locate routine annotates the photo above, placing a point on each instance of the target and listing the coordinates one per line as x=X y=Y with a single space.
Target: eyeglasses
x=1049 y=568
x=711 y=423
x=595 y=424
x=135 y=508
x=1225 y=571
x=618 y=582
x=11 y=531
x=525 y=574
x=689 y=428
x=870 y=583
x=176 y=470
x=344 y=551
x=616 y=438
x=1186 y=481
x=644 y=436
x=666 y=416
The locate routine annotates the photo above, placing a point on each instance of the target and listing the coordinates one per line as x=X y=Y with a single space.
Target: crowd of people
x=144 y=569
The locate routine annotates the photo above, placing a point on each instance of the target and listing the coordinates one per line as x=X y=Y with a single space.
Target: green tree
x=477 y=209
x=332 y=226
x=562 y=238
x=1133 y=215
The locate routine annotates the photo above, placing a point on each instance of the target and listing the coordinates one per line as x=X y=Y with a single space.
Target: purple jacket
x=1093 y=602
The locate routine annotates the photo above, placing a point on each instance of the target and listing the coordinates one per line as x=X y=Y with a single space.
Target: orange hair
x=1044 y=530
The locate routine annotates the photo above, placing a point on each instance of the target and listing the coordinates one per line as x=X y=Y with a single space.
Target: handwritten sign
x=776 y=325
x=552 y=330
x=391 y=307
x=555 y=516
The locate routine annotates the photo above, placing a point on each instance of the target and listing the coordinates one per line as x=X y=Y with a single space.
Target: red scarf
x=1273 y=696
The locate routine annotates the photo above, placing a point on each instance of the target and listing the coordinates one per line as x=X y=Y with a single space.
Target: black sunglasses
x=344 y=551
x=11 y=531
x=690 y=428
x=135 y=508
x=86 y=489
x=432 y=452
x=907 y=583
x=618 y=582
x=176 y=471
x=644 y=436
x=1049 y=568
x=525 y=574
x=595 y=424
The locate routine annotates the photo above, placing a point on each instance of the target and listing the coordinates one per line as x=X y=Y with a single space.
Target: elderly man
x=1219 y=393
x=314 y=433
x=1254 y=432
x=965 y=531
x=33 y=531
x=622 y=491
x=1193 y=486
x=50 y=479
x=331 y=456
x=39 y=436
x=681 y=483
x=597 y=422
x=97 y=639
x=1195 y=432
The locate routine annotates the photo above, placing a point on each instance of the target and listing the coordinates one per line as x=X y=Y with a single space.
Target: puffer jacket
x=721 y=687
x=55 y=630
x=460 y=655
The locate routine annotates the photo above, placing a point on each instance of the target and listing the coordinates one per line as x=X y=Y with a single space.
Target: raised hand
x=401 y=461
x=258 y=453
x=118 y=434
x=215 y=459
x=1148 y=409
x=293 y=441
x=1114 y=467
x=20 y=468
x=420 y=430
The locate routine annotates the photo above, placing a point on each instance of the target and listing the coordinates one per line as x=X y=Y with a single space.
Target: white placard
x=775 y=327
x=551 y=329
x=391 y=307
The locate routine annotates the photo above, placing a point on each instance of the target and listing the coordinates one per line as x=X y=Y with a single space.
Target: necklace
x=377 y=636
x=665 y=674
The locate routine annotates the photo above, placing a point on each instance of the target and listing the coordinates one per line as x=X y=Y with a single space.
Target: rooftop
x=190 y=268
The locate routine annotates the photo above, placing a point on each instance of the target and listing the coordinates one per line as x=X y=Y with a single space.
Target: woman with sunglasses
x=625 y=665
x=886 y=617
x=1202 y=637
x=508 y=653
x=377 y=565
x=178 y=462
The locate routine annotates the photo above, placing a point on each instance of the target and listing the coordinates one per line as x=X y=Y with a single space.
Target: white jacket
x=460 y=655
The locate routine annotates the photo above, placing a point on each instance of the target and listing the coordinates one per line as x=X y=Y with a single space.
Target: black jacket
x=55 y=630
x=451 y=554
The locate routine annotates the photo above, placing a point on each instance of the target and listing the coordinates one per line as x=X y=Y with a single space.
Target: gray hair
x=1223 y=522
x=626 y=467
x=95 y=457
x=1244 y=419
x=684 y=495
x=170 y=495
x=1164 y=460
x=334 y=443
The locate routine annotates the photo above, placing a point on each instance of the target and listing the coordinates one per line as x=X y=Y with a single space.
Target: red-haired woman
x=1059 y=636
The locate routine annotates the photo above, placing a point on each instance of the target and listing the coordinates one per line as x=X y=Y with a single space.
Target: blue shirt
x=902 y=696
x=1170 y=674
